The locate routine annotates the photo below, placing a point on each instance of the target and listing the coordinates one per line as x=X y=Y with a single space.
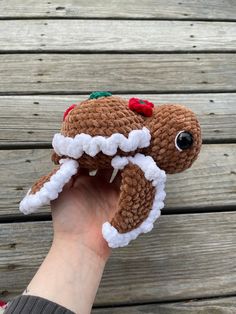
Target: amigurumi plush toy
x=132 y=136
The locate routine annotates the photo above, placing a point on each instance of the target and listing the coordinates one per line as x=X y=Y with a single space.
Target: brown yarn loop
x=108 y=115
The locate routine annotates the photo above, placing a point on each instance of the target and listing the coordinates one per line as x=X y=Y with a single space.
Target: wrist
x=96 y=247
x=70 y=275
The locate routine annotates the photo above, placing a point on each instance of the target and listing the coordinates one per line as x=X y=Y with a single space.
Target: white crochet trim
x=51 y=189
x=152 y=173
x=84 y=143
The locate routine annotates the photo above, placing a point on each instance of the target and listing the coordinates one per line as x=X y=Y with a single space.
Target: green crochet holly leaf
x=96 y=95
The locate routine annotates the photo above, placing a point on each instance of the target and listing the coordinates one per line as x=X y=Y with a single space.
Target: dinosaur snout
x=176 y=137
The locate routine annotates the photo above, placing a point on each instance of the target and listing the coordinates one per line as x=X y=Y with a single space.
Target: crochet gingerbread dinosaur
x=142 y=141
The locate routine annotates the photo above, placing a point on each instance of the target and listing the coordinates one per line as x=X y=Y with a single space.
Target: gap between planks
x=184 y=257
x=115 y=52
x=218 y=304
x=151 y=9
x=118 y=92
x=220 y=20
x=19 y=218
x=48 y=145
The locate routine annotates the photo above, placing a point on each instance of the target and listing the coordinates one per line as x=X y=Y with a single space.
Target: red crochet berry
x=141 y=106
x=68 y=110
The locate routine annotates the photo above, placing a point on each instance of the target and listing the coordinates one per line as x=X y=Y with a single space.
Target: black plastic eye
x=183 y=140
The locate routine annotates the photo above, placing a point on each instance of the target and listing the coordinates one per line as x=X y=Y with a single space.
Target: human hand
x=85 y=203
x=71 y=272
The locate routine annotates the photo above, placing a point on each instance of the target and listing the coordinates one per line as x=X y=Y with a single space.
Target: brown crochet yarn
x=103 y=116
x=136 y=198
x=166 y=122
x=38 y=184
x=109 y=115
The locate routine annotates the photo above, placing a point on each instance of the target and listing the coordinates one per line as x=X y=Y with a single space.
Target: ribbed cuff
x=26 y=304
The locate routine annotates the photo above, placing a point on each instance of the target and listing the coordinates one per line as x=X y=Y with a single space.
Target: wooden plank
x=34 y=119
x=155 y=9
x=220 y=305
x=73 y=73
x=185 y=256
x=141 y=36
x=209 y=183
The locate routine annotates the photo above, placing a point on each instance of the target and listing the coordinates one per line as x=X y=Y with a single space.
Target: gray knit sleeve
x=25 y=304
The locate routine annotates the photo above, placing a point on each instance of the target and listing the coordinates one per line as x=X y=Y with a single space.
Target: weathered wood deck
x=53 y=53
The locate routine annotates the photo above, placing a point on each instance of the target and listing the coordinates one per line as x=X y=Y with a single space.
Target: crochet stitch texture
x=143 y=143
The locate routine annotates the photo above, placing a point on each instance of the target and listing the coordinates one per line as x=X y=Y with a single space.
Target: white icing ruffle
x=92 y=145
x=152 y=173
x=50 y=189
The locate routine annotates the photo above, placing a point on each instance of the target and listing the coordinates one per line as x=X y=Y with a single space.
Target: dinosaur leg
x=141 y=199
x=49 y=186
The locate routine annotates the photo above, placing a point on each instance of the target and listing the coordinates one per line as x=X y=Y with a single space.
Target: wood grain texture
x=155 y=9
x=216 y=306
x=210 y=182
x=35 y=119
x=185 y=256
x=141 y=36
x=73 y=73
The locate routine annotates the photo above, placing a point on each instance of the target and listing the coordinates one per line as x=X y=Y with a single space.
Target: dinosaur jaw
x=92 y=145
x=155 y=175
x=51 y=188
